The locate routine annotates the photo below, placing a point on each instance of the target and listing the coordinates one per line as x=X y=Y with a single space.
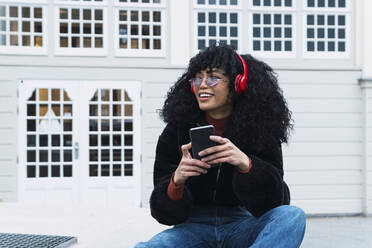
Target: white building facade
x=81 y=82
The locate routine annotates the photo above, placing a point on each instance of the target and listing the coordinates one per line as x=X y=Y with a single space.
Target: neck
x=220 y=114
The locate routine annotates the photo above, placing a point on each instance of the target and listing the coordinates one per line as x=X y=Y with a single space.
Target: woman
x=235 y=196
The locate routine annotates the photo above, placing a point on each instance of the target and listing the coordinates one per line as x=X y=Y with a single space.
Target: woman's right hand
x=188 y=166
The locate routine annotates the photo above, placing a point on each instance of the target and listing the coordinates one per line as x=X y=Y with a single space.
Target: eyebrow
x=215 y=70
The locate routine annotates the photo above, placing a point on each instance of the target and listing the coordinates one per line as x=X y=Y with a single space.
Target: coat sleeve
x=263 y=187
x=165 y=210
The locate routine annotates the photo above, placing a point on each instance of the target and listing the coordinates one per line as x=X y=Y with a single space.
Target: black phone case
x=199 y=137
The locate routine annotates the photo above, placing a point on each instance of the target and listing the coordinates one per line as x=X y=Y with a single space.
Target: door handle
x=76 y=150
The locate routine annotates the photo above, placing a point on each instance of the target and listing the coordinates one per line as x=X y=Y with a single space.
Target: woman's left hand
x=226 y=152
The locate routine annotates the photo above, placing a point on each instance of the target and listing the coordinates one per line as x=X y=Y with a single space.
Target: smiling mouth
x=205 y=96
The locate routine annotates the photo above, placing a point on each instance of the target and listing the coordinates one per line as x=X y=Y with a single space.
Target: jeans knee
x=292 y=215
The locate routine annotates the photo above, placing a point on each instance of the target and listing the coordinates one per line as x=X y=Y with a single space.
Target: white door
x=79 y=142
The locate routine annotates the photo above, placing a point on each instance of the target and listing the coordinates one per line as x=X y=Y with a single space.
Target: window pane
x=75 y=14
x=341 y=20
x=157 y=16
x=212 y=17
x=26 y=41
x=2 y=26
x=87 y=14
x=38 y=28
x=145 y=16
x=2 y=10
x=234 y=18
x=134 y=15
x=25 y=26
x=13 y=11
x=14 y=26
x=341 y=47
x=38 y=13
x=98 y=14
x=75 y=41
x=157 y=30
x=98 y=42
x=26 y=12
x=201 y=17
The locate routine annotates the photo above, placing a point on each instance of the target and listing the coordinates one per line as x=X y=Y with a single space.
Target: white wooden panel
x=7 y=90
x=155 y=89
x=318 y=77
x=7 y=105
x=320 y=163
x=325 y=178
x=322 y=91
x=369 y=176
x=7 y=137
x=325 y=105
x=152 y=104
x=369 y=135
x=369 y=190
x=152 y=120
x=333 y=206
x=327 y=134
x=8 y=120
x=8 y=196
x=7 y=182
x=318 y=192
x=7 y=152
x=152 y=133
x=318 y=148
x=328 y=119
x=6 y=168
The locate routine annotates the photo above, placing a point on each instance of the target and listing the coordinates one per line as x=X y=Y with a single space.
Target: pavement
x=97 y=227
x=340 y=232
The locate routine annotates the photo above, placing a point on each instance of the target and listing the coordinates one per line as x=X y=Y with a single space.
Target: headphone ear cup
x=238 y=83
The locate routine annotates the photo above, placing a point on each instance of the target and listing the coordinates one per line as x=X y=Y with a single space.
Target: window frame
x=347 y=12
x=272 y=10
x=80 y=51
x=157 y=53
x=207 y=8
x=23 y=50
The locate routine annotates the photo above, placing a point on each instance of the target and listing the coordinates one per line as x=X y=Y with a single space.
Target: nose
x=204 y=83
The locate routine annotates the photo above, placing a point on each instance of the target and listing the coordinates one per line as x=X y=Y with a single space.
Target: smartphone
x=199 y=137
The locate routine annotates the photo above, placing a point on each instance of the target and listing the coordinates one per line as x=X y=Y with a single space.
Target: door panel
x=111 y=157
x=79 y=142
x=47 y=132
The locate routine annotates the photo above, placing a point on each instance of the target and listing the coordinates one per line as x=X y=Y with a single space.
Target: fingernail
x=200 y=154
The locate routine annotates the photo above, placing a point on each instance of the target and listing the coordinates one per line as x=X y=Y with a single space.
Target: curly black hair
x=260 y=111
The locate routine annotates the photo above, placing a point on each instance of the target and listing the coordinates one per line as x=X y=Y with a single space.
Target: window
x=326 y=28
x=272 y=28
x=140 y=28
x=111 y=133
x=49 y=134
x=217 y=21
x=23 y=29
x=81 y=28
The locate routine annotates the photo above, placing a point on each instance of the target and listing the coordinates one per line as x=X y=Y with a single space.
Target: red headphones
x=240 y=80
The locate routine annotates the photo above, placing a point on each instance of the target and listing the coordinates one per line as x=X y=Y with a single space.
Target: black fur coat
x=259 y=190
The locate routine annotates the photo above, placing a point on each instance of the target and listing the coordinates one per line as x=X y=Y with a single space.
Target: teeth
x=205 y=95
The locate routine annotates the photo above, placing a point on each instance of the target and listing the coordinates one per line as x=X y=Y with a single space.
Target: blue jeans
x=214 y=226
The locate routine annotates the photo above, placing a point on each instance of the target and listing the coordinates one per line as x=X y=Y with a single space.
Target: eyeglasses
x=210 y=81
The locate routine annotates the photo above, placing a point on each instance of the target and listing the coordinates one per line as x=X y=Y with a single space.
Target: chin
x=205 y=106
